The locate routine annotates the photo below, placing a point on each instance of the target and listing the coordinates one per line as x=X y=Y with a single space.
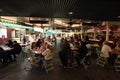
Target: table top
x=94 y=45
x=96 y=40
x=5 y=48
x=23 y=45
x=37 y=51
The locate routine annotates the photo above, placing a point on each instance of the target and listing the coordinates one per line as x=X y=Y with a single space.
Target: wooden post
x=107 y=31
x=94 y=33
x=81 y=32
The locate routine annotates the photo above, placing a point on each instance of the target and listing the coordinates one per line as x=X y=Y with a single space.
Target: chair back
x=117 y=63
x=101 y=61
x=86 y=60
x=48 y=65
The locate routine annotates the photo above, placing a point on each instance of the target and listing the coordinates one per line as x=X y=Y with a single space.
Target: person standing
x=65 y=50
x=24 y=39
x=54 y=40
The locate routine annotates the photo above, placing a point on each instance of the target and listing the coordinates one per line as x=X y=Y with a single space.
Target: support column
x=43 y=35
x=81 y=32
x=107 y=31
x=94 y=36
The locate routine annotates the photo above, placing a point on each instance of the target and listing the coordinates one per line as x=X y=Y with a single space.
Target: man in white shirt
x=106 y=49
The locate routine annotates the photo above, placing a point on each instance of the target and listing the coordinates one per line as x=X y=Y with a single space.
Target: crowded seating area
x=73 y=53
x=59 y=40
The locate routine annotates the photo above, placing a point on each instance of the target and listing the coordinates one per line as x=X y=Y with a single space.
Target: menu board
x=3 y=33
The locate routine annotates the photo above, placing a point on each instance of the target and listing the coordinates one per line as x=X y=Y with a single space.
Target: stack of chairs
x=117 y=63
x=101 y=61
x=85 y=60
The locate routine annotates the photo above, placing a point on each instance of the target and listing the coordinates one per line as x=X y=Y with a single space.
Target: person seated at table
x=71 y=40
x=2 y=52
x=38 y=43
x=105 y=51
x=43 y=46
x=64 y=52
x=9 y=43
x=117 y=47
x=82 y=51
x=74 y=51
x=48 y=39
x=48 y=53
x=16 y=49
x=44 y=56
x=34 y=49
x=33 y=46
x=3 y=57
x=114 y=54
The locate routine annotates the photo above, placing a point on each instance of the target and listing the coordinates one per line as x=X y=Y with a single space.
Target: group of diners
x=73 y=50
x=11 y=48
x=41 y=51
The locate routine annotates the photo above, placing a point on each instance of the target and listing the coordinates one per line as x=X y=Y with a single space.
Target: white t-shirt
x=105 y=51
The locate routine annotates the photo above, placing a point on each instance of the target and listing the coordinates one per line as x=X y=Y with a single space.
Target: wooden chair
x=48 y=65
x=117 y=63
x=29 y=62
x=28 y=65
x=32 y=61
x=85 y=59
x=101 y=61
